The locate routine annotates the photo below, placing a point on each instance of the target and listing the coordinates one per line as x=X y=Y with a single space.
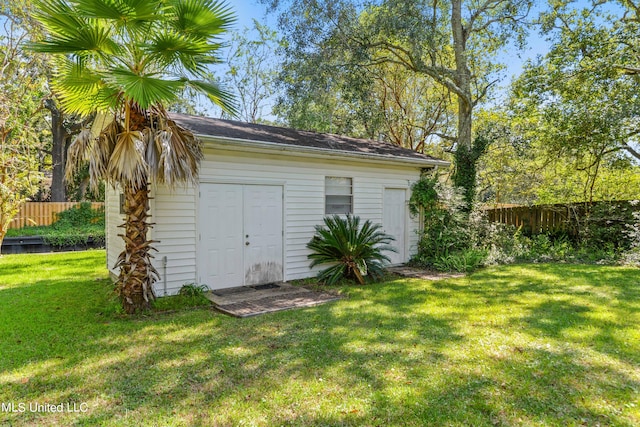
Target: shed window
x=338 y=195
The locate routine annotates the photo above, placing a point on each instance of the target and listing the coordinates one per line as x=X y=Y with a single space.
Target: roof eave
x=239 y=144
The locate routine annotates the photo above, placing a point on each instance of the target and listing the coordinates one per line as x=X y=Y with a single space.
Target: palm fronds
x=355 y=252
x=127 y=59
x=142 y=52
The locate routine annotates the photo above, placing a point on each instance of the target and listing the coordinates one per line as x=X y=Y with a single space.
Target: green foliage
x=577 y=106
x=74 y=226
x=466 y=160
x=78 y=188
x=503 y=244
x=606 y=224
x=193 y=290
x=393 y=69
x=424 y=195
x=22 y=127
x=251 y=69
x=632 y=256
x=116 y=61
x=190 y=296
x=527 y=165
x=80 y=215
x=464 y=261
x=455 y=241
x=543 y=248
x=445 y=225
x=355 y=252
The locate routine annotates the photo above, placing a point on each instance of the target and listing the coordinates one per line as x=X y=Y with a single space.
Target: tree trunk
x=137 y=274
x=466 y=155
x=464 y=123
x=462 y=75
x=466 y=165
x=82 y=189
x=59 y=136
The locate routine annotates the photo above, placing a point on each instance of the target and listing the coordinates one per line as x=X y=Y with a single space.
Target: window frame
x=333 y=200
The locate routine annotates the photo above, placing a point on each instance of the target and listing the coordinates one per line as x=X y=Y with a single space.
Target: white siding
x=174 y=215
x=304 y=202
x=175 y=212
x=113 y=218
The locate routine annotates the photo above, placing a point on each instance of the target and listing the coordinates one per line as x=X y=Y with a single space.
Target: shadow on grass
x=398 y=353
x=553 y=317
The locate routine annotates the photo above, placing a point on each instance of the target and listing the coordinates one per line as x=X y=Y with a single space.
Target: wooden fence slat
x=567 y=218
x=43 y=213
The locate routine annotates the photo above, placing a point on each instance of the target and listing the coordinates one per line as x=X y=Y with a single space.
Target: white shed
x=262 y=190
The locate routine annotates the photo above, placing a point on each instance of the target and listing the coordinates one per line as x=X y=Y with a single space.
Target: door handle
x=246 y=243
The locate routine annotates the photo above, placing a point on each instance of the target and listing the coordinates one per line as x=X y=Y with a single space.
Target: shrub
x=75 y=226
x=445 y=224
x=355 y=252
x=453 y=240
x=81 y=215
x=632 y=232
x=607 y=223
x=464 y=261
x=192 y=290
x=502 y=243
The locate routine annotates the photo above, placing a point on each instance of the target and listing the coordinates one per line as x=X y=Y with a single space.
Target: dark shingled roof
x=278 y=135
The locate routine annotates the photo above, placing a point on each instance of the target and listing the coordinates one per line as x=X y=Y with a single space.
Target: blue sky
x=247 y=10
x=514 y=59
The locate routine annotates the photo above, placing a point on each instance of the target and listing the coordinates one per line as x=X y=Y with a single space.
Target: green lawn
x=516 y=345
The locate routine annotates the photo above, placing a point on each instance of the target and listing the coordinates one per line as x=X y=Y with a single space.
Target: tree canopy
x=580 y=102
x=22 y=130
x=340 y=46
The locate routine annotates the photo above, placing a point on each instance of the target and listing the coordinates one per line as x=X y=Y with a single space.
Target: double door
x=240 y=235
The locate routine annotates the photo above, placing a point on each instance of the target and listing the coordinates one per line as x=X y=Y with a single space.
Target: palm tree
x=125 y=60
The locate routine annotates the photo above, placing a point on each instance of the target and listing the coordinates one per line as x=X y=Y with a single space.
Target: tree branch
x=631 y=71
x=442 y=75
x=632 y=151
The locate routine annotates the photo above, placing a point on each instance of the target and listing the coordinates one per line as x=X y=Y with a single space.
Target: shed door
x=262 y=234
x=394 y=222
x=240 y=235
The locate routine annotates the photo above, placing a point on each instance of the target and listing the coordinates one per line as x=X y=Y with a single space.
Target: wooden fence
x=43 y=213
x=563 y=218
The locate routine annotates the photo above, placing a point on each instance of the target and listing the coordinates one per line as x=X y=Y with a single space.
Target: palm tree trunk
x=137 y=274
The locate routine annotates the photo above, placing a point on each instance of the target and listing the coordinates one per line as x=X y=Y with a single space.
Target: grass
x=516 y=345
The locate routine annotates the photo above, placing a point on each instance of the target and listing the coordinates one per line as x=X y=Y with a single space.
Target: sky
x=248 y=10
x=514 y=59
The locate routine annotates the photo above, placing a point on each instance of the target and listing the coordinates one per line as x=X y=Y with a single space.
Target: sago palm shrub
x=355 y=252
x=124 y=61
